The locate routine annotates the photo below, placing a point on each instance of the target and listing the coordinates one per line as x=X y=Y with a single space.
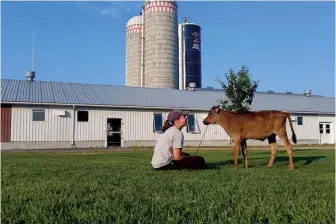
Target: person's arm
x=177 y=153
x=177 y=146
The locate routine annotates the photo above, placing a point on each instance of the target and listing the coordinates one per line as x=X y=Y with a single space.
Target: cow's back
x=257 y=124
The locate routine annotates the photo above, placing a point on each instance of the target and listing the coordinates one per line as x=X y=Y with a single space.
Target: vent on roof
x=192 y=86
x=307 y=92
x=30 y=75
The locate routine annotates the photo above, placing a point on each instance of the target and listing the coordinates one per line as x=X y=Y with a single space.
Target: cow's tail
x=291 y=126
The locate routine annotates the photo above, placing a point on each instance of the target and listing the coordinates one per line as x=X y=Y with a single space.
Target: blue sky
x=288 y=46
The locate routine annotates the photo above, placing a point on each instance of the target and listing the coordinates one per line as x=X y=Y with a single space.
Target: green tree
x=239 y=90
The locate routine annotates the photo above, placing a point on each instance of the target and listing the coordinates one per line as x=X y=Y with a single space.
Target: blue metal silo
x=189 y=55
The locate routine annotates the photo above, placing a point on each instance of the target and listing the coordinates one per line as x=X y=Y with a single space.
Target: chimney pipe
x=30 y=75
x=307 y=92
x=192 y=86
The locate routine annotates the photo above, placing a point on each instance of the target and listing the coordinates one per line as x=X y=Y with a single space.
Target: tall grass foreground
x=121 y=187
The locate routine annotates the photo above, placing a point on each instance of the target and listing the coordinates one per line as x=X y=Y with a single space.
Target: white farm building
x=43 y=114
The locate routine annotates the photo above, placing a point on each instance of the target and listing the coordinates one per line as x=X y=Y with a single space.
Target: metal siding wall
x=6 y=115
x=137 y=125
x=214 y=132
x=54 y=128
x=309 y=129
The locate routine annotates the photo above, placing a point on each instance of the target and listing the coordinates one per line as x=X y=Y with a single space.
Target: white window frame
x=39 y=111
x=154 y=126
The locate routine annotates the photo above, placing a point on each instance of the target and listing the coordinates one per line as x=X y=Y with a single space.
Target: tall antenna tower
x=30 y=75
x=33 y=49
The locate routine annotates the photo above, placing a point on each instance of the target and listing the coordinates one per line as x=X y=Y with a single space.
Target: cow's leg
x=288 y=145
x=235 y=152
x=244 y=152
x=274 y=149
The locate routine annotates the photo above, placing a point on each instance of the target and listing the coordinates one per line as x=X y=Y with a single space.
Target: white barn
x=43 y=114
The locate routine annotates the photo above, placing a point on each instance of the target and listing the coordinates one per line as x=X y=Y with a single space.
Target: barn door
x=114 y=132
x=6 y=117
x=325 y=133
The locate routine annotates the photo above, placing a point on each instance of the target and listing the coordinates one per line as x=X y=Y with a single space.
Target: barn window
x=38 y=115
x=191 y=123
x=83 y=115
x=300 y=120
x=157 y=122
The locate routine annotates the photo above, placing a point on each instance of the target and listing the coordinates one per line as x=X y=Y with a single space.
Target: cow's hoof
x=291 y=167
x=269 y=166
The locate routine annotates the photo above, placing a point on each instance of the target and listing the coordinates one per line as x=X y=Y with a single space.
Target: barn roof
x=46 y=92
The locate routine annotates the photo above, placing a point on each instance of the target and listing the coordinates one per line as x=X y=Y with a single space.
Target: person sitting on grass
x=168 y=149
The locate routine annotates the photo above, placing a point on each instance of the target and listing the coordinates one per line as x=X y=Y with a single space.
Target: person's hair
x=166 y=125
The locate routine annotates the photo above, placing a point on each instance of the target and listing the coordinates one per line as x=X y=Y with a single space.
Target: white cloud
x=235 y=14
x=110 y=9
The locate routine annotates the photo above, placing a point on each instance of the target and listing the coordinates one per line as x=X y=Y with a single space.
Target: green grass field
x=121 y=187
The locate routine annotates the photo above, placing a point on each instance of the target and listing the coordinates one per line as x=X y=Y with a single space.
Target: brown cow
x=253 y=125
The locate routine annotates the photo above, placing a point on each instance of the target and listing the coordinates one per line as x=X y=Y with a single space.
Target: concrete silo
x=134 y=51
x=161 y=44
x=189 y=55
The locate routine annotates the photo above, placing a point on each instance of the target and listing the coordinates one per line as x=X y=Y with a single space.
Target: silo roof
x=134 y=21
x=148 y=1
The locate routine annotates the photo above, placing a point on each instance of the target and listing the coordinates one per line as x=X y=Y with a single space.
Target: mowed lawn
x=121 y=187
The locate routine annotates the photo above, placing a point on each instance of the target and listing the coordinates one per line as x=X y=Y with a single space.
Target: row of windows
x=39 y=115
x=158 y=122
x=83 y=116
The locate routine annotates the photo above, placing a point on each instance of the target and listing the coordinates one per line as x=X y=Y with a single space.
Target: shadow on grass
x=217 y=165
x=278 y=159
x=308 y=159
x=294 y=150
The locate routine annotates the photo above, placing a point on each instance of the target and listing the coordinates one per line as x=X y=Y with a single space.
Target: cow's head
x=212 y=116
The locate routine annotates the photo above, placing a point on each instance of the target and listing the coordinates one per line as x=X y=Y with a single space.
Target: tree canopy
x=239 y=90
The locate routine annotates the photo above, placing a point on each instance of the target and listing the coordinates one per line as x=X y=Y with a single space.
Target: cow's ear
x=217 y=110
